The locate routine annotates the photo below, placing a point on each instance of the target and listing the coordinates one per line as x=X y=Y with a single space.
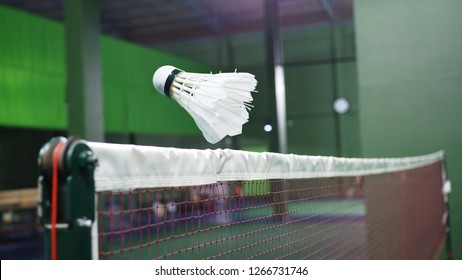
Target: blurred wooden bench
x=18 y=199
x=18 y=210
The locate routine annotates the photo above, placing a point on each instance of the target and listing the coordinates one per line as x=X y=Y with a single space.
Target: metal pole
x=275 y=62
x=338 y=128
x=84 y=85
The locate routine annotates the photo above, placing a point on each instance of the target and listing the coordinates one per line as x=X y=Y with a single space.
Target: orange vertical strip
x=54 y=200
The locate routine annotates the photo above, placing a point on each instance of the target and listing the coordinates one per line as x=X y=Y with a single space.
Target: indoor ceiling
x=151 y=22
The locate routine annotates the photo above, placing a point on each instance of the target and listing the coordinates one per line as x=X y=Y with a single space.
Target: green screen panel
x=313 y=86
x=249 y=50
x=31 y=99
x=349 y=134
x=345 y=45
x=129 y=91
x=116 y=100
x=410 y=73
x=31 y=71
x=31 y=42
x=260 y=98
x=314 y=44
x=312 y=136
x=33 y=80
x=347 y=86
x=306 y=44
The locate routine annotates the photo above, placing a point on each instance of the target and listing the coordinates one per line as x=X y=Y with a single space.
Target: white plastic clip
x=58 y=226
x=83 y=222
x=447 y=187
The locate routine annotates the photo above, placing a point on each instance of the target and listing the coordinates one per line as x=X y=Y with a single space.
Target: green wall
x=33 y=80
x=309 y=84
x=309 y=89
x=410 y=84
x=33 y=94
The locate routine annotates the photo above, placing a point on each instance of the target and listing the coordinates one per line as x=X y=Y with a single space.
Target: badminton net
x=167 y=203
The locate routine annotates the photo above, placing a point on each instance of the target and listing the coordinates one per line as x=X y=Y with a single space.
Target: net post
x=75 y=198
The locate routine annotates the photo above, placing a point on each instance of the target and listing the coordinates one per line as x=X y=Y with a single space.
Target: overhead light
x=341 y=105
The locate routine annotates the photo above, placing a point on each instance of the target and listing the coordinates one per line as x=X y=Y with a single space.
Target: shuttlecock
x=218 y=103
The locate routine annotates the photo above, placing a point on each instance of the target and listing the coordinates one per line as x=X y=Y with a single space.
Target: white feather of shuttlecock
x=218 y=103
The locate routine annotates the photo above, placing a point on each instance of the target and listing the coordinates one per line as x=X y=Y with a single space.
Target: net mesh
x=392 y=215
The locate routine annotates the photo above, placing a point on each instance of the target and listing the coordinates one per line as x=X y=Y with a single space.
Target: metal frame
x=76 y=198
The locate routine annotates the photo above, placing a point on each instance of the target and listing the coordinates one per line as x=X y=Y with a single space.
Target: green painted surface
x=32 y=71
x=309 y=89
x=311 y=124
x=309 y=85
x=33 y=80
x=410 y=81
x=342 y=208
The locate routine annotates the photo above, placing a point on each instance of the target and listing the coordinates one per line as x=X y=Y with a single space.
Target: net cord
x=123 y=167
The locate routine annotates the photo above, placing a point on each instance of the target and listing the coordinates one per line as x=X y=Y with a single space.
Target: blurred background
x=85 y=67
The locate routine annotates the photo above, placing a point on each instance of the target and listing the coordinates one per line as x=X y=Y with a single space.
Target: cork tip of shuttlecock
x=162 y=78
